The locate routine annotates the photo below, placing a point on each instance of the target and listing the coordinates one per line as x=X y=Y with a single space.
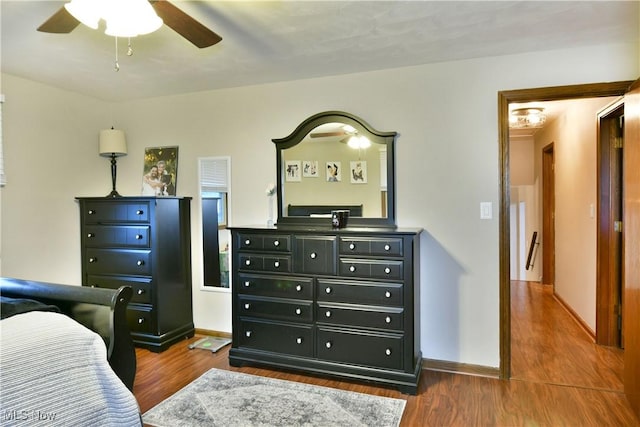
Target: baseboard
x=212 y=333
x=575 y=316
x=460 y=368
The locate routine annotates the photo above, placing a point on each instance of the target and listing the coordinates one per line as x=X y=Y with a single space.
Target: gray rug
x=225 y=398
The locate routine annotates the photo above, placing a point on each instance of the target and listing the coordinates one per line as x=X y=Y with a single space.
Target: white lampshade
x=112 y=141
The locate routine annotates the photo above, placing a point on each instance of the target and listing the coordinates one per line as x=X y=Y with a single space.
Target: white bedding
x=54 y=372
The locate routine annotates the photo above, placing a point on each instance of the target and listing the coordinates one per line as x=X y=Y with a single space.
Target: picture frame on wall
x=334 y=171
x=293 y=171
x=160 y=171
x=358 y=172
x=310 y=169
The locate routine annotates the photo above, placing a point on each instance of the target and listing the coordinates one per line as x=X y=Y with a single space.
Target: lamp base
x=114 y=193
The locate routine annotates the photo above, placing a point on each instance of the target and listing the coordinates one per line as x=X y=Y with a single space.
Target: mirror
x=336 y=161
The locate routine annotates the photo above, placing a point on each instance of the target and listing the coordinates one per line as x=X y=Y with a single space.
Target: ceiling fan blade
x=326 y=134
x=61 y=22
x=185 y=25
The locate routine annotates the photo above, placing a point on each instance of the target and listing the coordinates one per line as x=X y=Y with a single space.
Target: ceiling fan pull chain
x=117 y=66
x=129 y=49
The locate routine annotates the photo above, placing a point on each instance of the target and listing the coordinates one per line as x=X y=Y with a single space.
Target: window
x=215 y=193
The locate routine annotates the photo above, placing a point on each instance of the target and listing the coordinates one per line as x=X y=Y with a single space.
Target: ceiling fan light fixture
x=359 y=142
x=527 y=117
x=130 y=18
x=88 y=12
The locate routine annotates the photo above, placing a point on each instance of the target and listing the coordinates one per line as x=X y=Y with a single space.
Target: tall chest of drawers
x=338 y=302
x=145 y=243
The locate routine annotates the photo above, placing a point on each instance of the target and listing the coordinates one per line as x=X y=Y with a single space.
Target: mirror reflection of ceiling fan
x=63 y=22
x=351 y=136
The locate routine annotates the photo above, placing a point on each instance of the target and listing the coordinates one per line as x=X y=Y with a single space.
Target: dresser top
x=131 y=198
x=322 y=229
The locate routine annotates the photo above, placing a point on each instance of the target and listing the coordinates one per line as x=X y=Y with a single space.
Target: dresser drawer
x=264 y=242
x=272 y=286
x=116 y=235
x=378 y=269
x=141 y=286
x=361 y=316
x=276 y=337
x=257 y=262
x=389 y=246
x=376 y=350
x=389 y=294
x=278 y=309
x=96 y=212
x=118 y=261
x=315 y=255
x=140 y=319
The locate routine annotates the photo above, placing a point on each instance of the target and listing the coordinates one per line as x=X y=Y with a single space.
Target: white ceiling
x=269 y=41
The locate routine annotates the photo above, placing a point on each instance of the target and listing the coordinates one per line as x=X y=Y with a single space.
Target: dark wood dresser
x=341 y=302
x=145 y=243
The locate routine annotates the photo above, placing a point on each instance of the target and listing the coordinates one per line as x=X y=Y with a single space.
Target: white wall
x=447 y=163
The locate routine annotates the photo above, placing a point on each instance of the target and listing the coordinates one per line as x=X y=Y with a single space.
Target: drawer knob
x=247 y=334
x=138 y=236
x=352 y=246
x=140 y=262
x=139 y=212
x=247 y=284
x=387 y=270
x=313 y=255
x=388 y=352
x=90 y=235
x=298 y=340
x=140 y=291
x=276 y=243
x=387 y=294
x=276 y=264
x=247 y=262
x=91 y=212
x=92 y=260
x=328 y=289
x=93 y=286
x=352 y=268
x=328 y=344
x=247 y=242
x=387 y=247
x=246 y=306
x=298 y=288
x=298 y=311
x=387 y=319
x=140 y=320
x=328 y=313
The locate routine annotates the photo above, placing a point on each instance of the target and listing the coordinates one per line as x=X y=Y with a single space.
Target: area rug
x=226 y=398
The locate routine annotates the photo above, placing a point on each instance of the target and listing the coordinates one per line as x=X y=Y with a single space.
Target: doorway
x=504 y=99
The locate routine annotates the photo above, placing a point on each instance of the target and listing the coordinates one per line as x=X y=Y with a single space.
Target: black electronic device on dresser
x=145 y=243
x=344 y=300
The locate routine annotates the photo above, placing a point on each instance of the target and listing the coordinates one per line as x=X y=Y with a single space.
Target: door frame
x=609 y=271
x=505 y=98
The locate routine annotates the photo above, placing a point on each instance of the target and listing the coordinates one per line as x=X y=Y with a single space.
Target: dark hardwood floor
x=560 y=378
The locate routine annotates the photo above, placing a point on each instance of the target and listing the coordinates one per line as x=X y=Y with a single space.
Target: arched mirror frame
x=378 y=137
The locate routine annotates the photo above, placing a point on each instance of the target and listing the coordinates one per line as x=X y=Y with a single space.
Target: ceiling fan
x=345 y=130
x=63 y=22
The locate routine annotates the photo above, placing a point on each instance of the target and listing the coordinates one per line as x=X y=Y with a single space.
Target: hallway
x=548 y=346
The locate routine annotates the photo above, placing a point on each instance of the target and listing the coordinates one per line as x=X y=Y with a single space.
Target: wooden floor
x=560 y=378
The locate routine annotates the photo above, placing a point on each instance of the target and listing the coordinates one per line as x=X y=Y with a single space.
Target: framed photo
x=160 y=171
x=310 y=169
x=334 y=171
x=293 y=170
x=358 y=171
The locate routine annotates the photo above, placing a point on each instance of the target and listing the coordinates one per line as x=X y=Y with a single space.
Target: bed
x=66 y=354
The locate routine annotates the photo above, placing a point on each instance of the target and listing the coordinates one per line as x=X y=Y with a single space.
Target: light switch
x=486 y=210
